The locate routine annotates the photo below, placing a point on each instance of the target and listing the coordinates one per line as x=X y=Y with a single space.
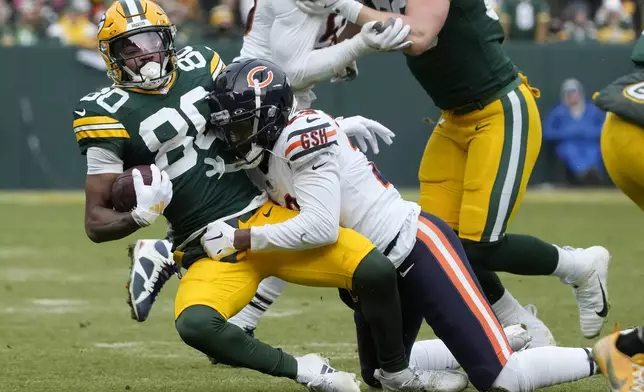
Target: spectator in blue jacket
x=574 y=127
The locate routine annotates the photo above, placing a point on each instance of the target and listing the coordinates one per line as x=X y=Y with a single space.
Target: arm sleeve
x=317 y=189
x=292 y=41
x=103 y=161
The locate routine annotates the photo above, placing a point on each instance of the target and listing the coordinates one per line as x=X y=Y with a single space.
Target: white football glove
x=151 y=200
x=349 y=9
x=386 y=36
x=365 y=129
x=218 y=240
x=348 y=73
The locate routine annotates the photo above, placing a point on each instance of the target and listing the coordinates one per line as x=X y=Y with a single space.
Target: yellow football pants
x=622 y=144
x=476 y=166
x=228 y=287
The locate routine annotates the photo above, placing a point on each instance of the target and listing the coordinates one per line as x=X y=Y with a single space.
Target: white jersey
x=315 y=169
x=280 y=32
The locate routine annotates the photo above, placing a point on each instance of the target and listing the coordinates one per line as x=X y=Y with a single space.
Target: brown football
x=123 y=193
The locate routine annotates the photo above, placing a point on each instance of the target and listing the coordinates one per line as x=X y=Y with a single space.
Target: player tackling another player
x=310 y=165
x=620 y=355
x=490 y=133
x=156 y=114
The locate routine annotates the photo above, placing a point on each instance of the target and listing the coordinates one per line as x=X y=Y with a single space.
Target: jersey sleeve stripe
x=93 y=120
x=99 y=126
x=216 y=65
x=332 y=133
x=312 y=150
x=305 y=130
x=292 y=147
x=103 y=133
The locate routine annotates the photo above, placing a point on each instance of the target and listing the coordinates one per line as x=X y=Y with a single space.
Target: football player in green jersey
x=155 y=114
x=620 y=356
x=477 y=162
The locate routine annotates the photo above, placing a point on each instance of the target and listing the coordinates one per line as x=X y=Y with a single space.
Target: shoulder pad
x=308 y=133
x=196 y=54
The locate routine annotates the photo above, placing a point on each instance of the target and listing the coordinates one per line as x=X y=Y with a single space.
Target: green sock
x=204 y=329
x=490 y=283
x=375 y=282
x=514 y=253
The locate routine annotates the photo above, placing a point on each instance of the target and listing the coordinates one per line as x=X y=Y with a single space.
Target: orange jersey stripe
x=332 y=133
x=503 y=358
x=456 y=257
x=293 y=146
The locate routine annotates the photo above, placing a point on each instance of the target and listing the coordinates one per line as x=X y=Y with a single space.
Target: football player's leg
x=212 y=291
x=441 y=174
x=620 y=357
x=354 y=264
x=209 y=293
x=445 y=289
x=622 y=143
x=500 y=160
x=267 y=292
x=543 y=367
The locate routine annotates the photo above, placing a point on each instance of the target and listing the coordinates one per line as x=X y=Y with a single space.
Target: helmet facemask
x=250 y=133
x=144 y=57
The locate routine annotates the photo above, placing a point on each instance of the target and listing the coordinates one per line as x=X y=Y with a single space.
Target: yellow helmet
x=136 y=40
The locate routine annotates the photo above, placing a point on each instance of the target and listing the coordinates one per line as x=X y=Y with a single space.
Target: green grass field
x=64 y=324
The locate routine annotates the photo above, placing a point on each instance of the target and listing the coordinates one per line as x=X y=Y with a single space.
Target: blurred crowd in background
x=572 y=128
x=73 y=22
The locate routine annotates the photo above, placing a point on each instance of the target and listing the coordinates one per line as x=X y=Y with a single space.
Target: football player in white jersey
x=307 y=46
x=311 y=166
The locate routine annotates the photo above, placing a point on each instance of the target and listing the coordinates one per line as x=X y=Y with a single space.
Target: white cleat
x=591 y=290
x=410 y=380
x=538 y=331
x=518 y=337
x=151 y=266
x=317 y=375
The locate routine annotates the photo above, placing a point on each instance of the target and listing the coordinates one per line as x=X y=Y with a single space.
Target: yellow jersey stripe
x=99 y=126
x=93 y=120
x=103 y=133
x=216 y=65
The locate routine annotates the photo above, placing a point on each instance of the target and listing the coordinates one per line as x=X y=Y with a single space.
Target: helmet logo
x=252 y=82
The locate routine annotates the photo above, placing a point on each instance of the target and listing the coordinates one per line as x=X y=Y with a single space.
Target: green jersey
x=638 y=52
x=467 y=62
x=168 y=128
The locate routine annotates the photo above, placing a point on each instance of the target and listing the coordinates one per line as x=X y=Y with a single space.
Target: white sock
x=509 y=311
x=542 y=367
x=267 y=292
x=432 y=355
x=569 y=268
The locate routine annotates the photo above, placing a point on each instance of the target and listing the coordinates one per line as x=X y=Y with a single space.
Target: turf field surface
x=65 y=325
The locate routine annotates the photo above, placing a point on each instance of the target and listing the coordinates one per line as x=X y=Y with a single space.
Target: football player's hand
x=348 y=73
x=365 y=130
x=390 y=35
x=151 y=200
x=349 y=9
x=218 y=240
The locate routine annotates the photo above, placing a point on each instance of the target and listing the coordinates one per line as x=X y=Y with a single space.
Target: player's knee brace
x=374 y=276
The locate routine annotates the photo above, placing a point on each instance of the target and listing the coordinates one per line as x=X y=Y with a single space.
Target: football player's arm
x=426 y=18
x=102 y=223
x=317 y=190
x=292 y=40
